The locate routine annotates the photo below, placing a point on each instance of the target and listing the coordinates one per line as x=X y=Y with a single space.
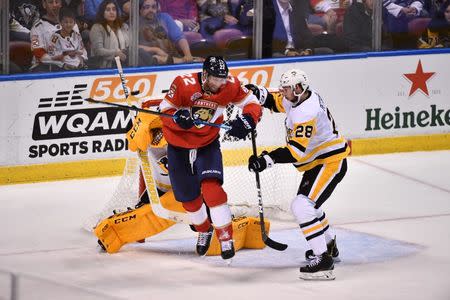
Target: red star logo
x=419 y=80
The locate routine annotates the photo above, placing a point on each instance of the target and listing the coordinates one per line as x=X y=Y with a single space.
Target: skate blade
x=322 y=275
x=335 y=259
x=228 y=262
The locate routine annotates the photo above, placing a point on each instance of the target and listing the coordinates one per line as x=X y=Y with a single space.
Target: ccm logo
x=124 y=219
x=242 y=225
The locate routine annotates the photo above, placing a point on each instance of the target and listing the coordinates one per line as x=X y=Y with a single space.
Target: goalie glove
x=241 y=126
x=139 y=136
x=260 y=163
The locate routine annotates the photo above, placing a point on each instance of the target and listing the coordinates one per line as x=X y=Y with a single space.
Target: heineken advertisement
x=378 y=119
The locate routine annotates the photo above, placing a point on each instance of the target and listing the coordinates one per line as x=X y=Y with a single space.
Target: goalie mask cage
x=279 y=184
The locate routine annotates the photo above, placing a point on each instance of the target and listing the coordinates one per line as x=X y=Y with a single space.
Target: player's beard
x=208 y=88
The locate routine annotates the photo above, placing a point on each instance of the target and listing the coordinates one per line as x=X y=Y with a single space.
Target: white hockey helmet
x=293 y=77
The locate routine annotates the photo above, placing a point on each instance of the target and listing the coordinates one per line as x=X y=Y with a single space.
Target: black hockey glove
x=260 y=92
x=183 y=118
x=260 y=163
x=241 y=126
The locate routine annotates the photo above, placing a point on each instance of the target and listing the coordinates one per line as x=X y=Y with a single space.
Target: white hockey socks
x=303 y=209
x=327 y=230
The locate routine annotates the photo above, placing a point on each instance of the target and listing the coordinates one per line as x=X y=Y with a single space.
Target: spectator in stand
x=41 y=34
x=283 y=31
x=91 y=8
x=358 y=26
x=17 y=32
x=124 y=6
x=25 y=12
x=109 y=36
x=328 y=17
x=431 y=7
x=243 y=11
x=67 y=43
x=215 y=15
x=160 y=36
x=184 y=12
x=291 y=31
x=396 y=15
x=438 y=32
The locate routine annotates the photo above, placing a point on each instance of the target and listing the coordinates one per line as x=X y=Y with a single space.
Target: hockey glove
x=260 y=92
x=241 y=126
x=260 y=163
x=183 y=118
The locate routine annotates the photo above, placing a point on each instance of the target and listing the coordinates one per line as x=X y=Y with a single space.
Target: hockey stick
x=266 y=239
x=132 y=107
x=155 y=202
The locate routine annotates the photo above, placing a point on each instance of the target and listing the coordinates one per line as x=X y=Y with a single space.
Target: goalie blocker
x=140 y=223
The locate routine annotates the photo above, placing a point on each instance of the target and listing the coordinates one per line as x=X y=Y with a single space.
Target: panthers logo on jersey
x=203 y=110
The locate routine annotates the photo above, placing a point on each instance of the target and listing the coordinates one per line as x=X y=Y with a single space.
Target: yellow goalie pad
x=140 y=223
x=134 y=225
x=246 y=235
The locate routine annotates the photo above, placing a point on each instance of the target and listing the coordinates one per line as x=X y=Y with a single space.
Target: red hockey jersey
x=186 y=93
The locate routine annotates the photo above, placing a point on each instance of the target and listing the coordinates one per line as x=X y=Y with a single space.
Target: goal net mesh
x=279 y=184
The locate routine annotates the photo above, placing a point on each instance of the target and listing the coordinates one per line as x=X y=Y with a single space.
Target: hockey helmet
x=293 y=77
x=216 y=66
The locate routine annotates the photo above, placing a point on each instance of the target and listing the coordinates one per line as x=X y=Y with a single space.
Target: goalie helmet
x=293 y=77
x=216 y=66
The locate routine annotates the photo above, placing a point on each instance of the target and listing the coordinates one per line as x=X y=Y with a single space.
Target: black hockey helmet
x=216 y=66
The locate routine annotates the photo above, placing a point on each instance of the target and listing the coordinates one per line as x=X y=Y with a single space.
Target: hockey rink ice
x=391 y=215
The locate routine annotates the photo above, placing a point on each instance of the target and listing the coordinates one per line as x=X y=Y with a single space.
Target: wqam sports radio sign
x=66 y=125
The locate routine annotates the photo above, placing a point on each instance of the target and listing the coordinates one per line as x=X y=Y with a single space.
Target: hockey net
x=279 y=184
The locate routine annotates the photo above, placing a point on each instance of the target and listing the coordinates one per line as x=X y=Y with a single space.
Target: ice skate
x=203 y=241
x=319 y=268
x=227 y=248
x=331 y=249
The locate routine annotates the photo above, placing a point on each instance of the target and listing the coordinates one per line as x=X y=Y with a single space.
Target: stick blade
x=273 y=244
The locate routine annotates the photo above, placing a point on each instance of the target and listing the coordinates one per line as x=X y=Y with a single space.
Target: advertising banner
x=47 y=120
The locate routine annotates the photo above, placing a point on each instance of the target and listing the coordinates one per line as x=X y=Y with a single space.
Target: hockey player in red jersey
x=194 y=155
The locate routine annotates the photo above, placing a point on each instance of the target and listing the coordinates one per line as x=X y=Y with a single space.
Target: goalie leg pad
x=246 y=235
x=130 y=226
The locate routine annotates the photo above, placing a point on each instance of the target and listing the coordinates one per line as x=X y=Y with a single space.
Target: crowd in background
x=51 y=35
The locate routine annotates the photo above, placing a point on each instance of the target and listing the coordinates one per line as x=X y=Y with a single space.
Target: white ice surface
x=392 y=217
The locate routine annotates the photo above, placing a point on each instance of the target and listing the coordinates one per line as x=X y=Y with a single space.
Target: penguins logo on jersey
x=203 y=110
x=163 y=165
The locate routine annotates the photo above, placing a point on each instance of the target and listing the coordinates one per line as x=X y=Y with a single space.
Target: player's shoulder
x=234 y=82
x=308 y=109
x=187 y=80
x=233 y=86
x=184 y=85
